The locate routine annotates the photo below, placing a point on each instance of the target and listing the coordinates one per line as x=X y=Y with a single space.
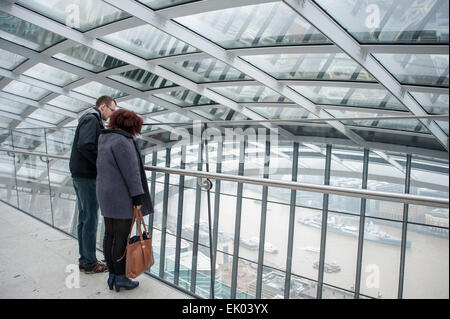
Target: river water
x=427 y=260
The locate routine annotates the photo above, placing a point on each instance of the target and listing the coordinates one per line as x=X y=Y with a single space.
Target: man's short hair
x=105 y=99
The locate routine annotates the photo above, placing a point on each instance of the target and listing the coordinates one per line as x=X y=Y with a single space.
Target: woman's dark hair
x=126 y=120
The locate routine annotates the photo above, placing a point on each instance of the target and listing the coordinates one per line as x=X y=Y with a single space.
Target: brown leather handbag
x=139 y=253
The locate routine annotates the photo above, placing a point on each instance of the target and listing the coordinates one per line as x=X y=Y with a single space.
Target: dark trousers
x=115 y=242
x=85 y=189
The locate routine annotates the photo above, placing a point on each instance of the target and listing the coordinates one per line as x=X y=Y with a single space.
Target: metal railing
x=174 y=272
x=325 y=189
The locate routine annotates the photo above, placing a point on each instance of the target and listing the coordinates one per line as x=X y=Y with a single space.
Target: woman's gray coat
x=120 y=175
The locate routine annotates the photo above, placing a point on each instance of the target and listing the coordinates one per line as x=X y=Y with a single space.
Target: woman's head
x=127 y=121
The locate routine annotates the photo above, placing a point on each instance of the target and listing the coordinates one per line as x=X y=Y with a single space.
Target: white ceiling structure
x=358 y=65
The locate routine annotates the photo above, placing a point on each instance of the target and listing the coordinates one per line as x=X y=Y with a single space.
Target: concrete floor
x=39 y=262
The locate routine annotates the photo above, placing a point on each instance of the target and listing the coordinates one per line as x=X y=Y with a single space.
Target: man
x=84 y=172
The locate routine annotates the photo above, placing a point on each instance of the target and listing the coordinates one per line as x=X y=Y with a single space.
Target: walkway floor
x=37 y=261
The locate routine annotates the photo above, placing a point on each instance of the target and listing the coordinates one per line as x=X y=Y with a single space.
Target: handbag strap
x=138 y=218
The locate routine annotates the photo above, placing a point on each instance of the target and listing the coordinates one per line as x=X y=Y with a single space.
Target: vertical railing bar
x=237 y=225
x=323 y=235
x=152 y=192
x=179 y=216
x=262 y=227
x=48 y=175
x=404 y=229
x=287 y=283
x=362 y=223
x=210 y=234
x=217 y=202
x=198 y=197
x=162 y=259
x=15 y=170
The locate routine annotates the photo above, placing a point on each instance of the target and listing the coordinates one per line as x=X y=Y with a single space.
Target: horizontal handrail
x=442 y=117
x=324 y=189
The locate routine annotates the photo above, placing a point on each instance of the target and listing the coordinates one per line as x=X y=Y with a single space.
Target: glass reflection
x=310 y=67
x=255 y=25
x=399 y=21
x=89 y=59
x=81 y=15
x=206 y=70
x=147 y=42
x=10 y=61
x=417 y=69
x=51 y=75
x=26 y=34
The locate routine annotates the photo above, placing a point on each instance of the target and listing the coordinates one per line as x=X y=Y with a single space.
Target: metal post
x=262 y=227
x=152 y=192
x=217 y=201
x=162 y=255
x=179 y=217
x=198 y=197
x=287 y=283
x=237 y=224
x=48 y=176
x=323 y=235
x=404 y=228
x=362 y=221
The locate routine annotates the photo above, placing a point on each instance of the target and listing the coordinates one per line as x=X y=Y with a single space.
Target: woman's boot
x=124 y=282
x=111 y=279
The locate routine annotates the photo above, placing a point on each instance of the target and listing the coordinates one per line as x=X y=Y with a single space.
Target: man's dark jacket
x=84 y=149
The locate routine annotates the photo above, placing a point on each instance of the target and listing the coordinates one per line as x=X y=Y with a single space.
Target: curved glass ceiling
x=183 y=60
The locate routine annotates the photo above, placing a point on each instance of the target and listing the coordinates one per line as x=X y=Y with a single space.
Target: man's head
x=106 y=105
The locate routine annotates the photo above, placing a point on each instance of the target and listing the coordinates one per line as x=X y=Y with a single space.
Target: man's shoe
x=97 y=268
x=124 y=282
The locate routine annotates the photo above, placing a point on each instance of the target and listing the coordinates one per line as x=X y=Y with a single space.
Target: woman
x=121 y=186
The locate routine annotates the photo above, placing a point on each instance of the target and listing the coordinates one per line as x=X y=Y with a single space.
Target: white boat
x=312 y=249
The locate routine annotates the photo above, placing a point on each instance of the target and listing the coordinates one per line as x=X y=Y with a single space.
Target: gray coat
x=120 y=175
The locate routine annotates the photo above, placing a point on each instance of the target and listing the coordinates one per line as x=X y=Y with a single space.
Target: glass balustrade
x=268 y=242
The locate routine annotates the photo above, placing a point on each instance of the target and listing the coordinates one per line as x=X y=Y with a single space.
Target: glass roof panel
x=147 y=42
x=5 y=122
x=160 y=4
x=51 y=75
x=443 y=125
x=417 y=69
x=140 y=106
x=376 y=98
x=310 y=67
x=10 y=61
x=141 y=80
x=26 y=90
x=89 y=59
x=215 y=113
x=251 y=94
x=81 y=15
x=206 y=70
x=95 y=90
x=185 y=98
x=267 y=24
x=47 y=116
x=282 y=113
x=432 y=103
x=68 y=103
x=171 y=117
x=26 y=34
x=391 y=21
x=401 y=124
x=12 y=106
